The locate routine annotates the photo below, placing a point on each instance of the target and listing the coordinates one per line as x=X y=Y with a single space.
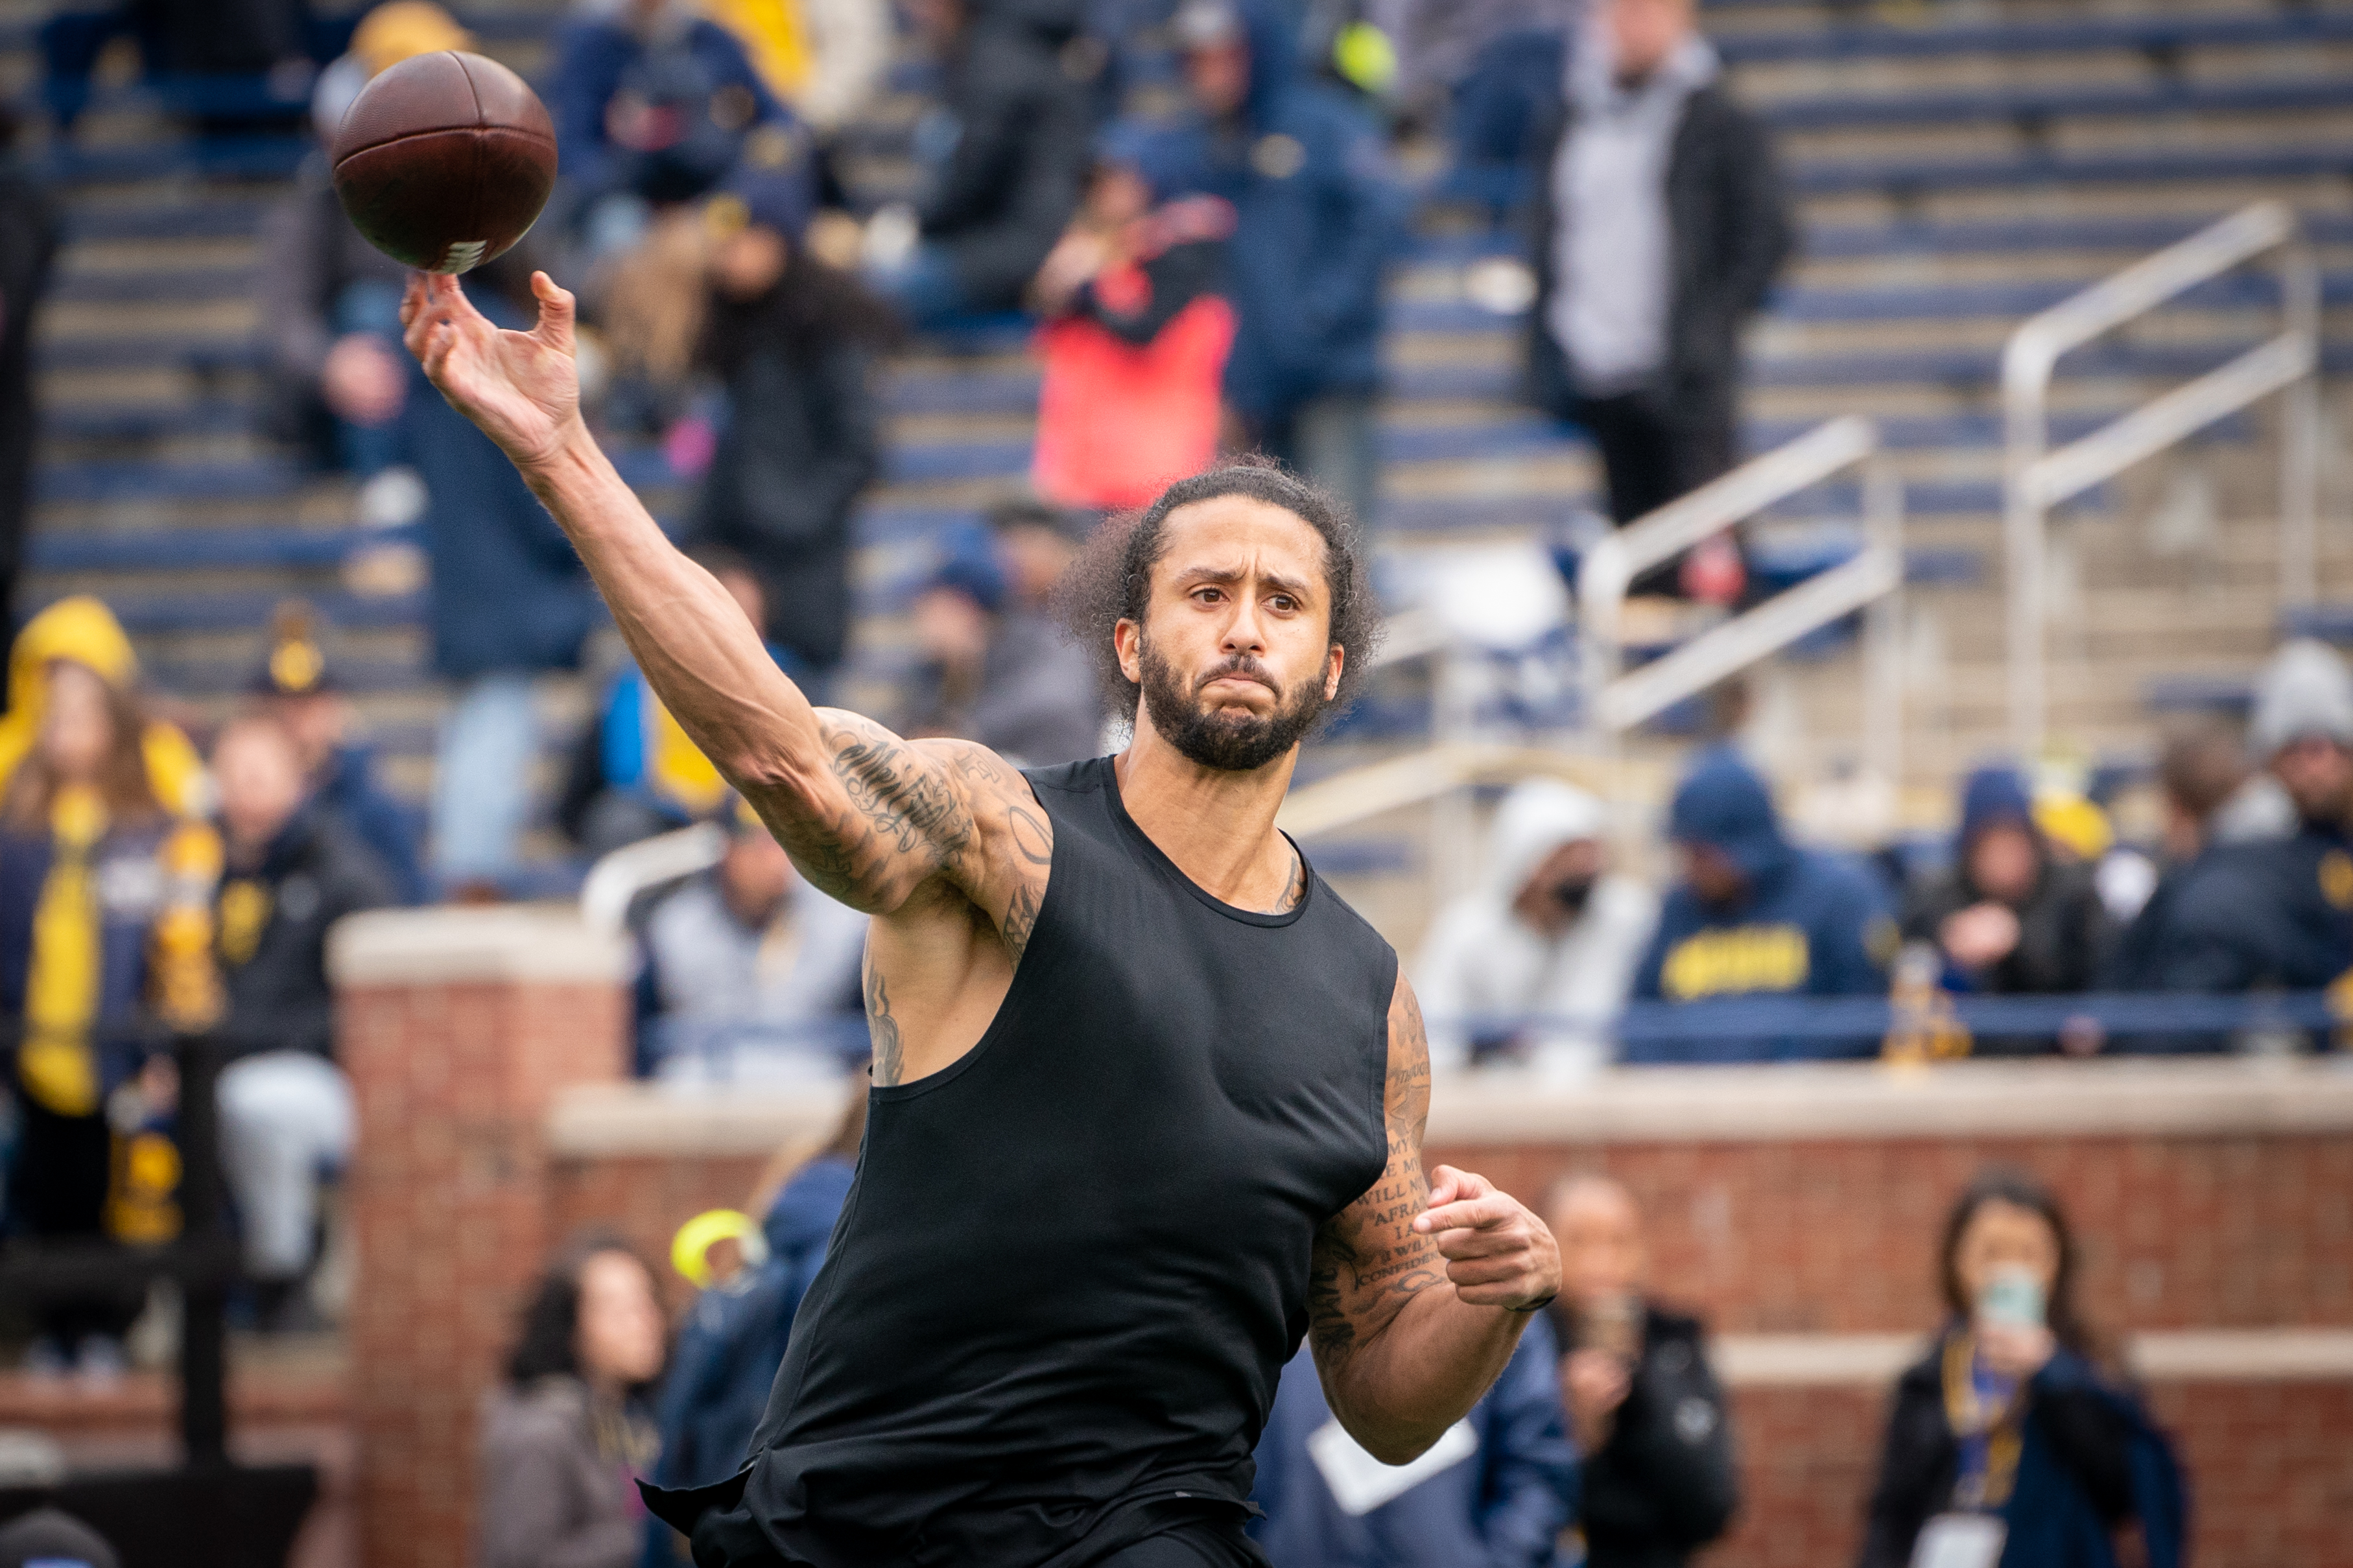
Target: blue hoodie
x=1811 y=923
x=1502 y=1506
x=1318 y=216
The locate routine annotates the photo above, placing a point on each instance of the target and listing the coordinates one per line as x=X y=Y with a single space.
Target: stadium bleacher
x=1939 y=211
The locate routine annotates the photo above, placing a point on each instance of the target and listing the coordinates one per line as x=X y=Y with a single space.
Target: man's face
x=2004 y=863
x=1603 y=1256
x=1219 y=77
x=754 y=875
x=260 y=782
x=1555 y=892
x=2317 y=774
x=1035 y=558
x=1235 y=655
x=950 y=626
x=747 y=263
x=1713 y=874
x=1643 y=33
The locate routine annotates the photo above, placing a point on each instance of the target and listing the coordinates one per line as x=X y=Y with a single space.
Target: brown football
x=444 y=160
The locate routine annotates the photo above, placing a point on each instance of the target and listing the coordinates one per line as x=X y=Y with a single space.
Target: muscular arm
x=882 y=824
x=1416 y=1293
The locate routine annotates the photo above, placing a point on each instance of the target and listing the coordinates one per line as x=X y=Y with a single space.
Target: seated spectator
x=31 y=227
x=1036 y=544
x=104 y=922
x=1554 y=936
x=1493 y=1493
x=2275 y=912
x=1136 y=342
x=748 y=959
x=2199 y=773
x=1001 y=157
x=330 y=301
x=2008 y=1437
x=298 y=687
x=1317 y=218
x=2008 y=917
x=81 y=631
x=562 y=1437
x=1757 y=916
x=1644 y=1408
x=635 y=773
x=291 y=870
x=652 y=103
x=793 y=342
x=1006 y=678
x=734 y=1338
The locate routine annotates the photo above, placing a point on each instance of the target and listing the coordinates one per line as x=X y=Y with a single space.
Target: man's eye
x=1208 y=596
x=1284 y=602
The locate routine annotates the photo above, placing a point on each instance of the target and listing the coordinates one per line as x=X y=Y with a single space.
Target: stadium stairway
x=1961 y=165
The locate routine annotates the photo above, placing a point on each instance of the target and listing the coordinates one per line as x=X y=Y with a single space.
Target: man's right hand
x=522 y=388
x=1593 y=1384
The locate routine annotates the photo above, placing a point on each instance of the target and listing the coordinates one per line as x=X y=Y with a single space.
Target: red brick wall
x=1840 y=1237
x=452 y=1200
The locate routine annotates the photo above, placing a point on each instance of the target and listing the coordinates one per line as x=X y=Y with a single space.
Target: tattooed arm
x=1418 y=1291
x=879 y=822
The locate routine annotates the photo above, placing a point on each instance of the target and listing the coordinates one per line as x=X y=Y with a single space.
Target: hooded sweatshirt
x=1808 y=923
x=1481 y=964
x=85 y=631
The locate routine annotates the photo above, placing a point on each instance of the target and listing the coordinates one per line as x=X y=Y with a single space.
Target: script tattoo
x=903 y=798
x=1368 y=1261
x=883 y=1027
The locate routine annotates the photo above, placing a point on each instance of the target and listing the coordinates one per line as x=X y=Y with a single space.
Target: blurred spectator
x=1756 y=915
x=2008 y=1435
x=511 y=602
x=1036 y=544
x=1491 y=1493
x=562 y=1437
x=1554 y=933
x=103 y=926
x=1488 y=71
x=1136 y=344
x=2009 y=916
x=2198 y=772
x=229 y=65
x=1644 y=1408
x=753 y=1279
x=748 y=959
x=2277 y=911
x=1660 y=220
x=28 y=244
x=51 y=1538
x=1002 y=156
x=652 y=103
x=291 y=870
x=824 y=57
x=298 y=687
x=330 y=301
x=1317 y=218
x=635 y=773
x=83 y=632
x=1005 y=676
x=793 y=342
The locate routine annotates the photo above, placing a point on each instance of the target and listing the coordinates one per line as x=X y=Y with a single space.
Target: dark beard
x=1229 y=741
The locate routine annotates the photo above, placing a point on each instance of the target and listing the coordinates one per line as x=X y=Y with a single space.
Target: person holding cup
x=2008 y=1443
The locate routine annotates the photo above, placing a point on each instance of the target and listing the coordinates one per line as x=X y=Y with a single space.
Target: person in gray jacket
x=562 y=1437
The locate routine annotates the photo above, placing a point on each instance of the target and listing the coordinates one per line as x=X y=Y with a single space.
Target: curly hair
x=1110 y=581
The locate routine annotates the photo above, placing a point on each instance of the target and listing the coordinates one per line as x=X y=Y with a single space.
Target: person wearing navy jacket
x=1500 y=1504
x=1756 y=915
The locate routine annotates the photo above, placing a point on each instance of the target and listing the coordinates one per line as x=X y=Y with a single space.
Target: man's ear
x=1332 y=667
x=1127 y=641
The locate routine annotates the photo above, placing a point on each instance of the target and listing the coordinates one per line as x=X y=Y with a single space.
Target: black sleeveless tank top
x=1073 y=1264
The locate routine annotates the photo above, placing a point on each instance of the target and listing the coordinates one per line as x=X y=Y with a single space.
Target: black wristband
x=1536 y=1306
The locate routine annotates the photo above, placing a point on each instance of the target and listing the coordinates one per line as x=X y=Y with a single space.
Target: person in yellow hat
x=83 y=632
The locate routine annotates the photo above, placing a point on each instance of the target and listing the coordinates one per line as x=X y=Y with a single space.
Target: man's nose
x=1246 y=632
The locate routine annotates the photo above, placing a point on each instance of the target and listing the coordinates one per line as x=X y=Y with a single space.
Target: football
x=444 y=161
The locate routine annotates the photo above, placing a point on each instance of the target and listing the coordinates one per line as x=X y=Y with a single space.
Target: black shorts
x=1198 y=1543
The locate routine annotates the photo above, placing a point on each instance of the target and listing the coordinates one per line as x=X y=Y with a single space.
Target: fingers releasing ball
x=444 y=161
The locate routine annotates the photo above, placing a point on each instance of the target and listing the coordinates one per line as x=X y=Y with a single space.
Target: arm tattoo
x=882 y=1026
x=1368 y=1261
x=901 y=797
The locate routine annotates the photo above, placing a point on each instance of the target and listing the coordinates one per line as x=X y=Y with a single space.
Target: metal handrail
x=2036 y=479
x=1616 y=701
x=616 y=881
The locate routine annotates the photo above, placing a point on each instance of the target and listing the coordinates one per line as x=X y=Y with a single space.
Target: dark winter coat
x=803 y=437
x=310 y=254
x=509 y=591
x=2063 y=932
x=1730 y=231
x=1664 y=1484
x=1317 y=218
x=1502 y=1506
x=2276 y=912
x=28 y=244
x=2089 y=1461
x=349 y=792
x=1006 y=151
x=270 y=924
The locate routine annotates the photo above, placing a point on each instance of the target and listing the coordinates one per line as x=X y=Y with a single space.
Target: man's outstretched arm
x=867 y=816
x=1419 y=1289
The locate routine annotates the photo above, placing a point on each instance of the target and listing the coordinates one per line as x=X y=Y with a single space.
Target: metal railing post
x=1882 y=708
x=204 y=1302
x=2300 y=435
